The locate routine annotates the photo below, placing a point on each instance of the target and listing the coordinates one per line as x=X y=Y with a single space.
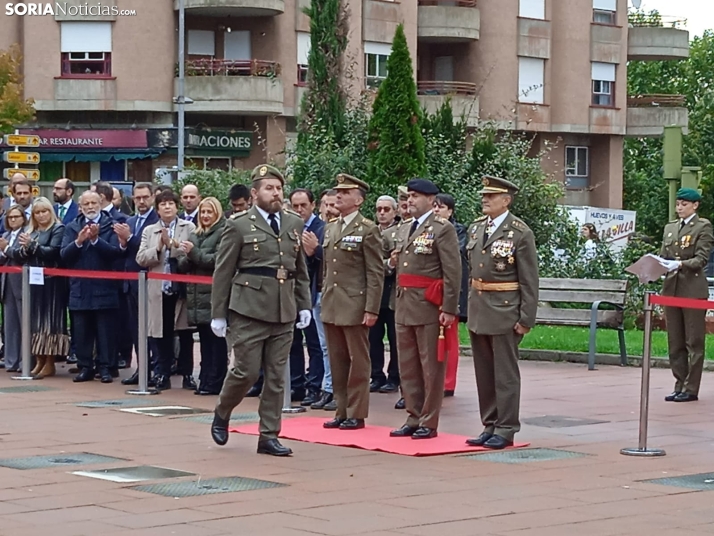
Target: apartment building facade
x=104 y=85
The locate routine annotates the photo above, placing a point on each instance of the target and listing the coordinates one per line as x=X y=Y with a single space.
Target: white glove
x=218 y=327
x=305 y=319
x=672 y=265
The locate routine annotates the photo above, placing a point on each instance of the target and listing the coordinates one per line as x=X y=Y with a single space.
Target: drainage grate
x=133 y=474
x=123 y=402
x=702 y=481
x=25 y=389
x=207 y=487
x=557 y=421
x=525 y=455
x=236 y=417
x=166 y=411
x=58 y=460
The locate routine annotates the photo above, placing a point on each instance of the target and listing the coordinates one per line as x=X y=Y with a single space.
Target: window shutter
x=605 y=5
x=603 y=71
x=530 y=80
x=202 y=42
x=532 y=9
x=86 y=36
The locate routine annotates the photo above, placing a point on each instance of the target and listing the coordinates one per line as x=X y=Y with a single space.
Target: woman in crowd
x=162 y=245
x=11 y=287
x=201 y=260
x=589 y=233
x=41 y=246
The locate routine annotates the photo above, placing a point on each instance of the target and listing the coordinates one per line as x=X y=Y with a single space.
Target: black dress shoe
x=205 y=392
x=389 y=387
x=85 y=375
x=425 y=433
x=404 y=431
x=131 y=380
x=334 y=423
x=352 y=424
x=480 y=441
x=105 y=375
x=273 y=447
x=448 y=393
x=188 y=383
x=163 y=383
x=497 y=443
x=254 y=391
x=219 y=430
x=311 y=398
x=325 y=399
x=297 y=395
x=375 y=386
x=670 y=397
x=331 y=405
x=400 y=404
x=685 y=397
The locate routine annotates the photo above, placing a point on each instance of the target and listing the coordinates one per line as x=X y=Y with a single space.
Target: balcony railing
x=639 y=20
x=432 y=87
x=665 y=101
x=457 y=3
x=216 y=67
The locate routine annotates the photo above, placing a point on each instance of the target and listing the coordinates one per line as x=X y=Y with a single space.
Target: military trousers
x=686 y=333
x=498 y=381
x=257 y=344
x=348 y=347
x=421 y=373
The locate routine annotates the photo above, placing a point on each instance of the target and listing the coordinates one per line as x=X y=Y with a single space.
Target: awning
x=100 y=156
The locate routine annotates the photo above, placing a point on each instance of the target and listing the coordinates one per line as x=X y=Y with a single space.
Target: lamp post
x=180 y=100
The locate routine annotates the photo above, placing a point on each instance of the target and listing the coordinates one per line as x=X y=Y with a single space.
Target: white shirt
x=267 y=215
x=349 y=219
x=191 y=217
x=421 y=219
x=685 y=222
x=494 y=224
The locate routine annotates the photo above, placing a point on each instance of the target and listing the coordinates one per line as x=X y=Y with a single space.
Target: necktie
x=490 y=229
x=139 y=223
x=62 y=212
x=681 y=225
x=413 y=229
x=274 y=224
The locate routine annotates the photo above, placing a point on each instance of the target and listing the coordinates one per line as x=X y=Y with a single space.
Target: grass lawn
x=568 y=339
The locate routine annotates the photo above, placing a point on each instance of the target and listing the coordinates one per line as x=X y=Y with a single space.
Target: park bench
x=591 y=292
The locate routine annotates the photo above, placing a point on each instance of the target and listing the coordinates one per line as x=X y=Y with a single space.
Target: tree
x=14 y=108
x=396 y=144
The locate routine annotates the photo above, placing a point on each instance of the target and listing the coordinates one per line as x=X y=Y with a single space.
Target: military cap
x=403 y=192
x=266 y=171
x=348 y=182
x=689 y=194
x=495 y=185
x=422 y=186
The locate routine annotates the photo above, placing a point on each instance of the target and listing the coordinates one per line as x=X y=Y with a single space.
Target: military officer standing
x=428 y=265
x=503 y=301
x=259 y=285
x=351 y=297
x=687 y=244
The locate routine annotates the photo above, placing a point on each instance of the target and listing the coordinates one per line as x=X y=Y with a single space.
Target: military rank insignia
x=502 y=249
x=424 y=243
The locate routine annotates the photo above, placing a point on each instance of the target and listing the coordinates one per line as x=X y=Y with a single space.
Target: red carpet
x=376 y=438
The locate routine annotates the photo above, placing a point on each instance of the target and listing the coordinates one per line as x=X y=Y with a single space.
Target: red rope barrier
x=201 y=279
x=684 y=303
x=120 y=276
x=10 y=269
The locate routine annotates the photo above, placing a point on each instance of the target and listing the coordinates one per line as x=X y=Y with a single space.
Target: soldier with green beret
x=687 y=245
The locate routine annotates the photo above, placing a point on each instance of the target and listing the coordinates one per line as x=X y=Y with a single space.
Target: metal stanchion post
x=26 y=327
x=642 y=449
x=287 y=399
x=143 y=350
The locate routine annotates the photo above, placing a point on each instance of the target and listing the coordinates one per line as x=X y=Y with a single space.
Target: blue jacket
x=70 y=215
x=91 y=294
x=117 y=215
x=314 y=263
x=132 y=248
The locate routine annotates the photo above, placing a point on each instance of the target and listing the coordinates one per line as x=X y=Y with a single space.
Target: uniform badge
x=500 y=266
x=252 y=228
x=485 y=182
x=340 y=179
x=263 y=171
x=670 y=234
x=686 y=241
x=510 y=234
x=511 y=260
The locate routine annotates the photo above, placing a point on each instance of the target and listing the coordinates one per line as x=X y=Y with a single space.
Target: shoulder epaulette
x=674 y=221
x=368 y=221
x=439 y=219
x=291 y=211
x=238 y=214
x=408 y=220
x=333 y=220
x=519 y=224
x=480 y=219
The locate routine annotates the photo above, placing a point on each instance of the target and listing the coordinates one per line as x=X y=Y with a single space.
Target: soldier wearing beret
x=351 y=298
x=687 y=244
x=503 y=302
x=259 y=285
x=427 y=262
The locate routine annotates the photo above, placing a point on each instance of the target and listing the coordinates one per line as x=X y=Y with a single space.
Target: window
x=236 y=45
x=605 y=11
x=603 y=84
x=576 y=167
x=201 y=43
x=532 y=9
x=86 y=49
x=375 y=62
x=203 y=163
x=530 y=80
x=303 y=52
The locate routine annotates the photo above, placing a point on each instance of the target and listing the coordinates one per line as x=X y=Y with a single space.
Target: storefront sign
x=205 y=142
x=90 y=139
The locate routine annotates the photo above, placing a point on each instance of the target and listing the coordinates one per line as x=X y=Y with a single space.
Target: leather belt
x=276 y=273
x=495 y=287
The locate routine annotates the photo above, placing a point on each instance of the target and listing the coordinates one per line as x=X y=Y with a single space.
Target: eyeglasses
x=384 y=209
x=14 y=217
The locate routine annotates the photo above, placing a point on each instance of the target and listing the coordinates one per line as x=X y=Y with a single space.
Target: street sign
x=22 y=140
x=32 y=174
x=18 y=157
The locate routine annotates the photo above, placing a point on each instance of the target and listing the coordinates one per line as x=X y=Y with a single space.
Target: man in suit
x=426 y=260
x=190 y=199
x=303 y=203
x=687 y=245
x=143 y=196
x=65 y=207
x=239 y=196
x=503 y=302
x=90 y=243
x=351 y=296
x=260 y=286
x=106 y=194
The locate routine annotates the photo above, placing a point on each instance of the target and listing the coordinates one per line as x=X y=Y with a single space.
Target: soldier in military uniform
x=428 y=266
x=351 y=297
x=503 y=301
x=259 y=285
x=687 y=244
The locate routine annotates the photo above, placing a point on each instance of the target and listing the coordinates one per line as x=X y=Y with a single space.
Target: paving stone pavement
x=337 y=491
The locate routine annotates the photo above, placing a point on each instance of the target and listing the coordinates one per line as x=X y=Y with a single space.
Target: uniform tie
x=413 y=229
x=681 y=225
x=274 y=224
x=490 y=229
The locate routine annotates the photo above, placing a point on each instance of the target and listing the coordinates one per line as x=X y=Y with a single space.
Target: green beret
x=689 y=194
x=266 y=171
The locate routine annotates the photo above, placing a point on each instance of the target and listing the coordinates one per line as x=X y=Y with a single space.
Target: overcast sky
x=699 y=13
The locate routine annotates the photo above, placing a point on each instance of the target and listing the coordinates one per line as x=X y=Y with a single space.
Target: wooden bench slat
x=606 y=285
x=574 y=317
x=580 y=296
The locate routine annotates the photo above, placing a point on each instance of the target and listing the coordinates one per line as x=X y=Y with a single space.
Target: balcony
x=233 y=8
x=657 y=39
x=250 y=87
x=647 y=115
x=448 y=21
x=463 y=97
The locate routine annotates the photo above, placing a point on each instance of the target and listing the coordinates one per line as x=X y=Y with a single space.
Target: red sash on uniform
x=448 y=346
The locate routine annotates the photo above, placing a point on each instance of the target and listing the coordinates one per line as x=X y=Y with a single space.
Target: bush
x=213 y=183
